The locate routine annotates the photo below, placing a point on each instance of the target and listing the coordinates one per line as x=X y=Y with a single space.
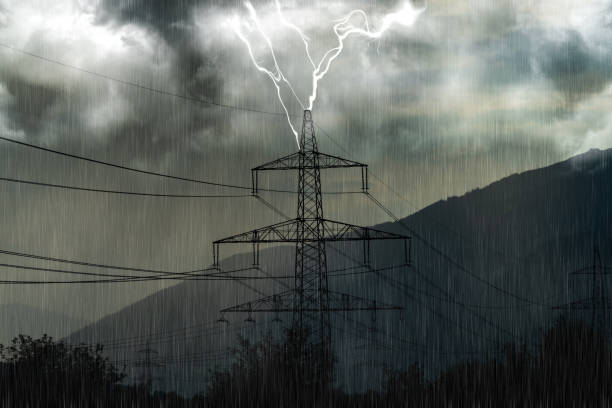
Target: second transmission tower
x=598 y=302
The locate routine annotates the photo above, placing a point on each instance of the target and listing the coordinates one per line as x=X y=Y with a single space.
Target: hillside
x=517 y=239
x=22 y=319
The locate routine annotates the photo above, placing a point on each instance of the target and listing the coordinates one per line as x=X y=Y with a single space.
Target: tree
x=273 y=374
x=44 y=372
x=405 y=388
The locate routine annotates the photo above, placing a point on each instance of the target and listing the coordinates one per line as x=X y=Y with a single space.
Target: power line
x=365 y=327
x=203 y=326
x=181 y=178
x=213 y=356
x=34 y=268
x=478 y=316
x=273 y=208
x=215 y=276
x=130 y=279
x=403 y=198
x=188 y=275
x=450 y=299
x=154 y=90
x=141 y=87
x=135 y=193
x=97 y=190
x=436 y=312
x=424 y=305
x=427 y=243
x=210 y=332
x=448 y=258
x=97 y=265
x=121 y=280
x=147 y=172
x=406 y=287
x=371 y=270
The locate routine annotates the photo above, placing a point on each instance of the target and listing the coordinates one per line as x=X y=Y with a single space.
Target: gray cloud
x=31 y=103
x=470 y=94
x=174 y=21
x=575 y=69
x=508 y=58
x=4 y=17
x=167 y=17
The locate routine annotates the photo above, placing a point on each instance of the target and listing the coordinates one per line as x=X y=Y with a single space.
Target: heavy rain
x=305 y=203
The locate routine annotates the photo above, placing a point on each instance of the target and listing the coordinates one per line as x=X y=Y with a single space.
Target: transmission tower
x=310 y=301
x=598 y=301
x=148 y=364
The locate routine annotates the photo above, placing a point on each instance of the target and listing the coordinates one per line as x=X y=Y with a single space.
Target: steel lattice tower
x=598 y=303
x=310 y=256
x=310 y=301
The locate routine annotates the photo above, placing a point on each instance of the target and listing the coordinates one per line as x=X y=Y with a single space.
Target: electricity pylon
x=310 y=301
x=598 y=302
x=148 y=363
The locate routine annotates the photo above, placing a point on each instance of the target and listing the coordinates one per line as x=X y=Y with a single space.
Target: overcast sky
x=474 y=91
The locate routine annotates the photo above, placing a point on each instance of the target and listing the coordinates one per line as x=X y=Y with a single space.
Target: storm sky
x=474 y=91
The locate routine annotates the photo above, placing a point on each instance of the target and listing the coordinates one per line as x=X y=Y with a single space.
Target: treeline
x=46 y=373
x=573 y=367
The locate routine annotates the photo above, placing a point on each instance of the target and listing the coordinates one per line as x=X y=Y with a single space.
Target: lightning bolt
x=405 y=16
x=276 y=75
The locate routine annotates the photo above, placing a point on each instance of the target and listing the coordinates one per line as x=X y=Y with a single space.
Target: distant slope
x=517 y=239
x=18 y=319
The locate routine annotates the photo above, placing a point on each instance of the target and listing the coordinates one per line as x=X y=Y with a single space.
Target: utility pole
x=310 y=301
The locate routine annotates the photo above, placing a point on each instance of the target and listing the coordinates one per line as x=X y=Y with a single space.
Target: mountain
x=18 y=319
x=487 y=269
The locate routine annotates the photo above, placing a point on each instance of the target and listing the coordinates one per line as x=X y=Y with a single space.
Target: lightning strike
x=407 y=16
x=277 y=75
x=344 y=28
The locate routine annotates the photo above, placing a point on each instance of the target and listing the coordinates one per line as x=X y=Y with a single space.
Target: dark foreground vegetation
x=572 y=368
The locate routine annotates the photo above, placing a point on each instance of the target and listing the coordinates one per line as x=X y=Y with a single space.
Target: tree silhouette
x=273 y=374
x=43 y=372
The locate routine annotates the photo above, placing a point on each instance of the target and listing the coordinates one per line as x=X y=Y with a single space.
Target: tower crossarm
x=309 y=160
x=290 y=232
x=281 y=232
x=285 y=302
x=287 y=231
x=295 y=161
x=340 y=231
x=309 y=300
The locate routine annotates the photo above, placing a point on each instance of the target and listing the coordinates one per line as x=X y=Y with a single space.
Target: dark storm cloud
x=507 y=58
x=130 y=120
x=162 y=15
x=575 y=69
x=174 y=21
x=468 y=95
x=44 y=100
x=32 y=102
x=515 y=78
x=523 y=57
x=192 y=73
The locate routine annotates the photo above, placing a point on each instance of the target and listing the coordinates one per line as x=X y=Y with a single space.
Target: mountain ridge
x=18 y=319
x=519 y=235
